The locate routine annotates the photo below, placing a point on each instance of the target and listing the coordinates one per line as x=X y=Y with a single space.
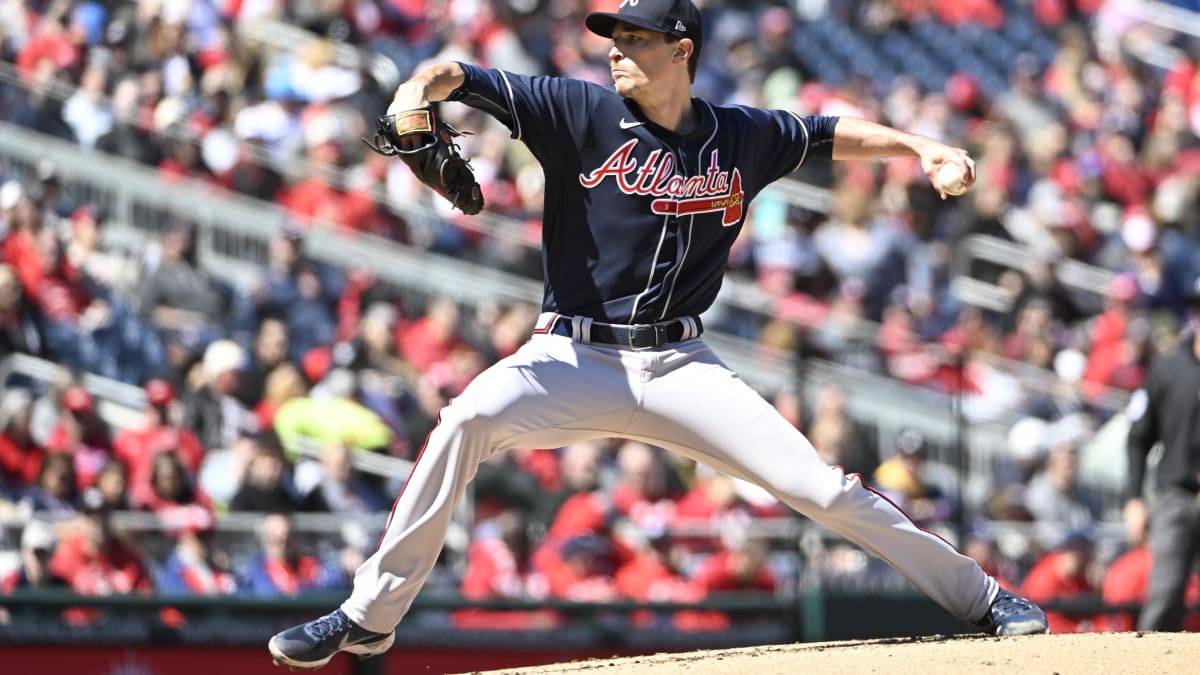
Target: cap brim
x=602 y=23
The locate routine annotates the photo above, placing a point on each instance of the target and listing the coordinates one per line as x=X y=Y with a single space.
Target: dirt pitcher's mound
x=1123 y=653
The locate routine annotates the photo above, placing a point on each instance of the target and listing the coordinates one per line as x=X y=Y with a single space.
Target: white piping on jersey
x=803 y=126
x=654 y=263
x=679 y=268
x=512 y=109
x=691 y=219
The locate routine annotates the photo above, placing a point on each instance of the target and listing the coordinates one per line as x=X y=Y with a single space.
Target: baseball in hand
x=950 y=179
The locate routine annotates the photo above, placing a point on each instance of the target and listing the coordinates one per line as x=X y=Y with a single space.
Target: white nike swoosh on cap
x=630 y=125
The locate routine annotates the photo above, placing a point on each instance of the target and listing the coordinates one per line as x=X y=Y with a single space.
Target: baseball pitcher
x=646 y=190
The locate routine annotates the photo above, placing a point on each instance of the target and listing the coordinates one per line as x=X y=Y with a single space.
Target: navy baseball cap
x=679 y=18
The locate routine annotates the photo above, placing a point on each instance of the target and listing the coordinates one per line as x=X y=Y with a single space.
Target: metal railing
x=1165 y=15
x=1072 y=274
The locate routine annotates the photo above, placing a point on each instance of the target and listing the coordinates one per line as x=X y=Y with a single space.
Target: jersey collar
x=703 y=128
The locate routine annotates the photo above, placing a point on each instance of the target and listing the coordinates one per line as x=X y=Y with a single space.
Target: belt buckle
x=631 y=337
x=659 y=331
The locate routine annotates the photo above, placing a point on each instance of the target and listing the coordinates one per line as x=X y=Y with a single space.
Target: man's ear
x=683 y=50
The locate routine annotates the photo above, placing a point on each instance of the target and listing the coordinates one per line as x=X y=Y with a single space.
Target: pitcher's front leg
x=551 y=393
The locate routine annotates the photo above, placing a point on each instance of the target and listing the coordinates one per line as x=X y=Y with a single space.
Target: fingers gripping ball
x=950 y=179
x=426 y=144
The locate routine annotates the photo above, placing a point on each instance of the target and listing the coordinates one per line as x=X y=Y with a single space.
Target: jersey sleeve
x=543 y=112
x=784 y=140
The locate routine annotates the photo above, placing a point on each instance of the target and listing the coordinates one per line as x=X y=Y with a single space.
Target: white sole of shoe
x=362 y=651
x=1025 y=628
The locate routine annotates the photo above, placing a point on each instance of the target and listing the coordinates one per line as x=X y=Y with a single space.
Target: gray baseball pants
x=554 y=391
x=1174 y=535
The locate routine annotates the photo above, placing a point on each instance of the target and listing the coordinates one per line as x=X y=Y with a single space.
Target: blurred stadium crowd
x=1083 y=121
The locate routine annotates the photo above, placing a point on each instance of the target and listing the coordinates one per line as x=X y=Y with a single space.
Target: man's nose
x=614 y=54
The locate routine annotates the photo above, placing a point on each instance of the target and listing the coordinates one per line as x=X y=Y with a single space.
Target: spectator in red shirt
x=430 y=339
x=497 y=568
x=157 y=431
x=1112 y=356
x=82 y=434
x=584 y=513
x=906 y=356
x=712 y=499
x=1063 y=574
x=641 y=491
x=169 y=488
x=53 y=285
x=57 y=288
x=653 y=575
x=23 y=221
x=584 y=570
x=313 y=200
x=579 y=469
x=710 y=495
x=495 y=559
x=95 y=560
x=51 y=42
x=740 y=566
x=20 y=456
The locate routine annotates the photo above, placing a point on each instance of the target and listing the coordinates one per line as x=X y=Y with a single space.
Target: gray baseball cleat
x=1013 y=615
x=313 y=644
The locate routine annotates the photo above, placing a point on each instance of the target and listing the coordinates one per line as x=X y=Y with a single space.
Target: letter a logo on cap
x=680 y=27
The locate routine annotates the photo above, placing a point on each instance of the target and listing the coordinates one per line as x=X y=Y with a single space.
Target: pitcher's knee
x=823 y=491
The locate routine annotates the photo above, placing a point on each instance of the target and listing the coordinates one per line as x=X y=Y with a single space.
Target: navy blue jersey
x=639 y=220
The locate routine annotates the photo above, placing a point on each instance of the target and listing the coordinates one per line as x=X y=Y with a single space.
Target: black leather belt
x=636 y=337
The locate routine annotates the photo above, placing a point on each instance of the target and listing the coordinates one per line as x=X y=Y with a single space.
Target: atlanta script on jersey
x=639 y=220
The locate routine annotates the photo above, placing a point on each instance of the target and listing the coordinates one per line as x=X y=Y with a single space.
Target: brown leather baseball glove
x=433 y=157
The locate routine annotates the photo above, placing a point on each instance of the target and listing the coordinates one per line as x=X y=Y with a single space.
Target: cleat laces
x=328 y=625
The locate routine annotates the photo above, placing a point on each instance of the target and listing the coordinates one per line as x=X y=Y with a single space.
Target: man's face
x=637 y=59
x=227 y=382
x=272 y=343
x=265 y=470
x=277 y=536
x=36 y=563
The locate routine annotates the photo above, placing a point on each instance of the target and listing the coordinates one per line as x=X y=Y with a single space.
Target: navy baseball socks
x=313 y=644
x=1013 y=615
